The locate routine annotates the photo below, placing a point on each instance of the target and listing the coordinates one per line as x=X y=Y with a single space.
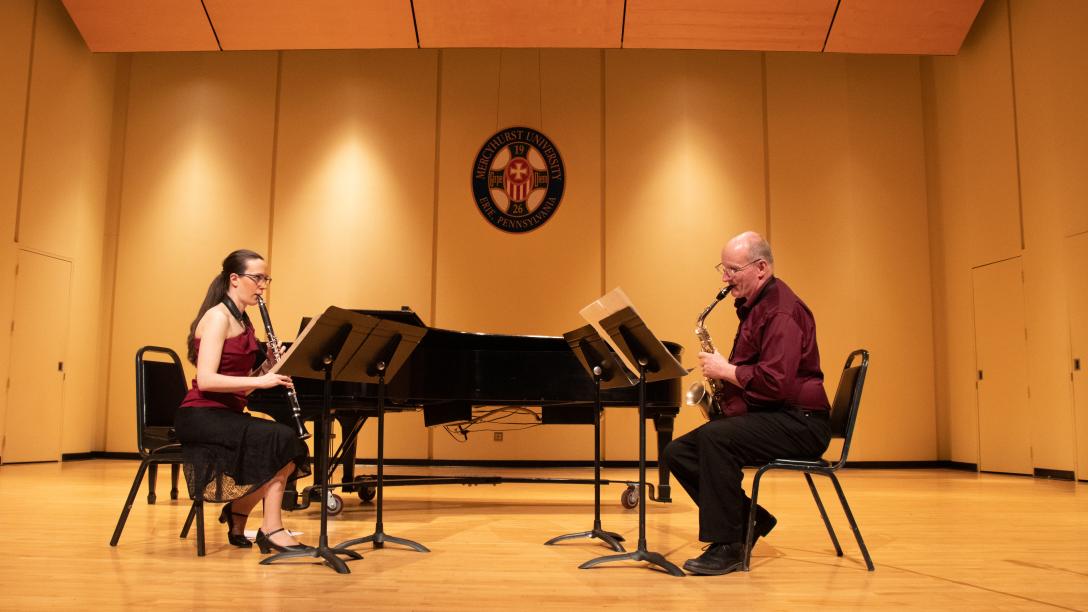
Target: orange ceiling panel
x=142 y=25
x=759 y=25
x=312 y=24
x=519 y=23
x=924 y=27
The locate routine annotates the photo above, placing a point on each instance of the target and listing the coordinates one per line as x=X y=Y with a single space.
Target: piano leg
x=663 y=423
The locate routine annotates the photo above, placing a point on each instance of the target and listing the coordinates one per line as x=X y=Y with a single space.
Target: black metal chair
x=844 y=413
x=160 y=388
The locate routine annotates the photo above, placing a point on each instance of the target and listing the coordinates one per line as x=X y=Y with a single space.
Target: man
x=774 y=404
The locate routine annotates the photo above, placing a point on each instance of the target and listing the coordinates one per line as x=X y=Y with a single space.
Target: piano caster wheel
x=335 y=504
x=629 y=497
x=366 y=492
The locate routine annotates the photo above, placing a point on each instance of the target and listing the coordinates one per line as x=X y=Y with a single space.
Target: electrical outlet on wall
x=498 y=436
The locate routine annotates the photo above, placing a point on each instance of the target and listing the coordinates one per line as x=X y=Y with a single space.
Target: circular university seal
x=517 y=179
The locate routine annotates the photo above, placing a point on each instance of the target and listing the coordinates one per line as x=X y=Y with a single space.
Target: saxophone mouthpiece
x=724 y=292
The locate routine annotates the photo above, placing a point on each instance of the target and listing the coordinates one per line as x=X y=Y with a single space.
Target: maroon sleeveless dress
x=227 y=452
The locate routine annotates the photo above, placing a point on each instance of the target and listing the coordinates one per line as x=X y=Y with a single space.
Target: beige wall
x=1005 y=151
x=1050 y=57
x=848 y=216
x=353 y=220
x=66 y=106
x=197 y=181
x=881 y=181
x=16 y=30
x=353 y=160
x=684 y=170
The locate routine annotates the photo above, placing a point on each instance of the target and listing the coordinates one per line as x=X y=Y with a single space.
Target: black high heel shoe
x=267 y=545
x=227 y=516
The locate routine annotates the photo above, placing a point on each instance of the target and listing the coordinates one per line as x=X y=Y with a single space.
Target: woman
x=231 y=456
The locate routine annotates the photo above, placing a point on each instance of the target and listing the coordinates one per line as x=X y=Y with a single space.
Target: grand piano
x=450 y=372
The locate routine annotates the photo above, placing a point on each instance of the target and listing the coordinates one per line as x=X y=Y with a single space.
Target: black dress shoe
x=227 y=516
x=266 y=545
x=765 y=522
x=719 y=558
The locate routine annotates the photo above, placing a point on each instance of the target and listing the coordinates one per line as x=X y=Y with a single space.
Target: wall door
x=1004 y=421
x=1076 y=258
x=38 y=339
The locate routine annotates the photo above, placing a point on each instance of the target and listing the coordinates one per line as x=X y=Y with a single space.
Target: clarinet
x=277 y=351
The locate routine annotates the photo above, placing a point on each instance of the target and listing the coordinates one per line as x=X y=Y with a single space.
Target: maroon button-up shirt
x=778 y=363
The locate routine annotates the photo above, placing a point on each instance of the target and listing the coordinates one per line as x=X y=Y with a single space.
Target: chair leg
x=823 y=514
x=853 y=523
x=188 y=521
x=152 y=480
x=128 y=502
x=749 y=532
x=198 y=507
x=174 y=469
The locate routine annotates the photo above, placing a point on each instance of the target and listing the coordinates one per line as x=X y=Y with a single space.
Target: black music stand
x=382 y=355
x=629 y=334
x=607 y=373
x=315 y=353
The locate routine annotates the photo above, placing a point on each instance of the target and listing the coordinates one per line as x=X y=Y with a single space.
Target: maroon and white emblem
x=517 y=179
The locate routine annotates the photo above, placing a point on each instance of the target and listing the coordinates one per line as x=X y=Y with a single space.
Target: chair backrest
x=844 y=410
x=160 y=388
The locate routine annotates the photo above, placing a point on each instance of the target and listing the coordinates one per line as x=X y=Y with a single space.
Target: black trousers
x=707 y=462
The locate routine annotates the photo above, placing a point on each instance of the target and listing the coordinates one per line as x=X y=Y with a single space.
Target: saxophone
x=277 y=351
x=699 y=394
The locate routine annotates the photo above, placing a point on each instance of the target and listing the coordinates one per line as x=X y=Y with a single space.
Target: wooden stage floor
x=940 y=539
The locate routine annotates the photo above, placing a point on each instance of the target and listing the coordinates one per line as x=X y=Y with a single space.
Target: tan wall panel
x=65 y=166
x=978 y=159
x=16 y=26
x=532 y=283
x=354 y=214
x=848 y=224
x=64 y=196
x=197 y=178
x=684 y=172
x=1050 y=56
x=112 y=223
x=973 y=192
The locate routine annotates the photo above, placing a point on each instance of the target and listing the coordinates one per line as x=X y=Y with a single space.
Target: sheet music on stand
x=604 y=306
x=613 y=310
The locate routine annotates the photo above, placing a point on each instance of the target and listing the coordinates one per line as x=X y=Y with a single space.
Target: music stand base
x=379 y=538
x=637 y=555
x=610 y=538
x=323 y=552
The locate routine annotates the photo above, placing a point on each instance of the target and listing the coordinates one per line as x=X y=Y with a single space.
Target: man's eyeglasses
x=259 y=278
x=731 y=270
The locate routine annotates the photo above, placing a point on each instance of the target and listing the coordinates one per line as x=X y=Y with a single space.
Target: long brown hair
x=235 y=263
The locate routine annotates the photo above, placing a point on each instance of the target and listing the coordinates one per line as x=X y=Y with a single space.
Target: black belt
x=817 y=414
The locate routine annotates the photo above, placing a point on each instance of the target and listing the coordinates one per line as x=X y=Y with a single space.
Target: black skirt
x=228 y=454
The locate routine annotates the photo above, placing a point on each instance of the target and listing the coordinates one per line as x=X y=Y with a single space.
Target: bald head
x=750 y=246
x=747 y=264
